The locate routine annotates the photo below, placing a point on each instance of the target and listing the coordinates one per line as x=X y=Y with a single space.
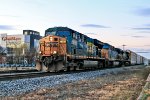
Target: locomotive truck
x=65 y=49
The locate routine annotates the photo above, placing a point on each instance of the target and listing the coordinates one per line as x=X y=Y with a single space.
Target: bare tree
x=2 y=54
x=19 y=53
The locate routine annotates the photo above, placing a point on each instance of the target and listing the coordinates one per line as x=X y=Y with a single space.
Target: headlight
x=51 y=38
x=54 y=52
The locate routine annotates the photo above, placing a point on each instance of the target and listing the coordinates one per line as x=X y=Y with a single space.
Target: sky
x=117 y=22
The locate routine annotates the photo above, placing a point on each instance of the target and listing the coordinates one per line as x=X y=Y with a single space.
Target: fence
x=17 y=61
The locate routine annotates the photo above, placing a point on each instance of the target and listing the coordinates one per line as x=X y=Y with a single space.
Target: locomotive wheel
x=59 y=66
x=68 y=68
x=74 y=68
x=56 y=66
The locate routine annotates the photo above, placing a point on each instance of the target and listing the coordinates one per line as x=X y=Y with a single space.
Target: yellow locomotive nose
x=52 y=45
x=52 y=52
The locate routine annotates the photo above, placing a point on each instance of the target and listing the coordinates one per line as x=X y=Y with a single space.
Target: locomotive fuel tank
x=88 y=63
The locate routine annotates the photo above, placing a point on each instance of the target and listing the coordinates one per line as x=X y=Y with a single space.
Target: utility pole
x=123 y=46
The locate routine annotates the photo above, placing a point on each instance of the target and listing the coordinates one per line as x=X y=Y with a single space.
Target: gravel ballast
x=22 y=86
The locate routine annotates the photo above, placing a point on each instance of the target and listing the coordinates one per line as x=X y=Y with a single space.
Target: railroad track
x=16 y=71
x=14 y=76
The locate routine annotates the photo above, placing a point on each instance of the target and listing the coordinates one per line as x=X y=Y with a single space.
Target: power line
x=143 y=52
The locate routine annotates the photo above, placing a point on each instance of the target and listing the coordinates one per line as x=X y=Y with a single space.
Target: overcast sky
x=117 y=22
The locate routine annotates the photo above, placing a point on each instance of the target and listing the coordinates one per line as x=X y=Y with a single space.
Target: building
x=34 y=37
x=11 y=42
x=18 y=47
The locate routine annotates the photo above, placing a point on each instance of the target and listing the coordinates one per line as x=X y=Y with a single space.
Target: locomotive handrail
x=62 y=48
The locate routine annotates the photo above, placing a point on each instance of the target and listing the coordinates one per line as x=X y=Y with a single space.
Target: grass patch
x=144 y=73
x=145 y=96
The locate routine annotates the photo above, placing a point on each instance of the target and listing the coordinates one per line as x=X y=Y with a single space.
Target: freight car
x=65 y=49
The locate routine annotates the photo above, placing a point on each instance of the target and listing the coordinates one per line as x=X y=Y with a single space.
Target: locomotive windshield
x=50 y=33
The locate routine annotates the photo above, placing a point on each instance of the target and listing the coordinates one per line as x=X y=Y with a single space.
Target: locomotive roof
x=63 y=29
x=60 y=29
x=106 y=46
x=119 y=50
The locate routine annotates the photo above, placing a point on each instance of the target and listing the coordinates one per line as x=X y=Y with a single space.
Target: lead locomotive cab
x=52 y=53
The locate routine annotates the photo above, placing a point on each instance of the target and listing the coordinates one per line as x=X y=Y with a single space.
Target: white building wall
x=14 y=41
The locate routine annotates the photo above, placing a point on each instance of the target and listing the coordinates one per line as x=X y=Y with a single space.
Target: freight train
x=65 y=49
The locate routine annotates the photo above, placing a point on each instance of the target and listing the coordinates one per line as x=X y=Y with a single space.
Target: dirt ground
x=123 y=86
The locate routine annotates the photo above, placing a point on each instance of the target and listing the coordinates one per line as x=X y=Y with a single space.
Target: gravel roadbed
x=17 y=88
